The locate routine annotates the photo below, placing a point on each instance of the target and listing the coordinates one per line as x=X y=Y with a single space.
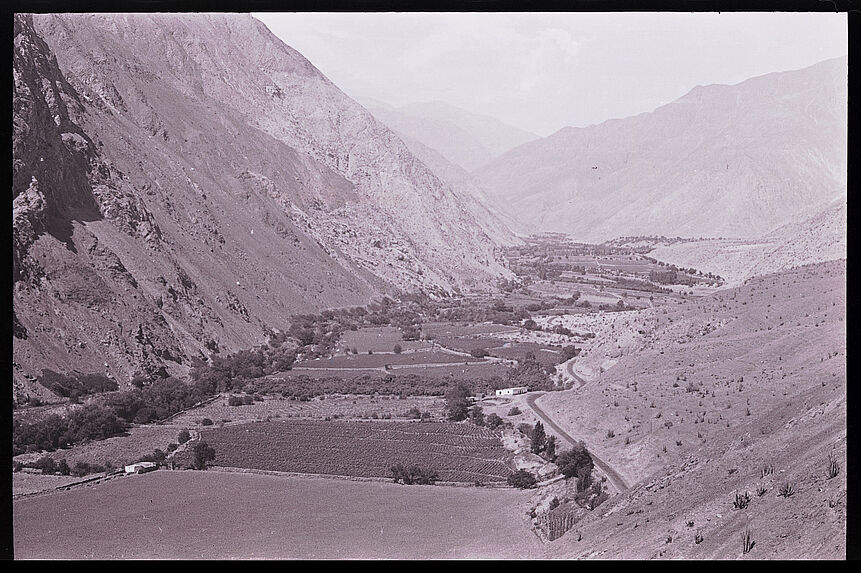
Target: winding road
x=613 y=477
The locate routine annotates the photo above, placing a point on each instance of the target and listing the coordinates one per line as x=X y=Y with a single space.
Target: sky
x=545 y=71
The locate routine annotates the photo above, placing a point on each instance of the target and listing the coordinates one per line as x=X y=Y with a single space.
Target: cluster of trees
x=75 y=384
x=90 y=422
x=532 y=373
x=522 y=479
x=567 y=353
x=577 y=462
x=162 y=399
x=634 y=284
x=233 y=372
x=413 y=474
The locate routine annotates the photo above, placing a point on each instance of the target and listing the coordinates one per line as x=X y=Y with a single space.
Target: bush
x=479 y=353
x=515 y=411
x=235 y=401
x=206 y=422
x=46 y=464
x=413 y=413
x=397 y=349
x=522 y=479
x=183 y=436
x=493 y=421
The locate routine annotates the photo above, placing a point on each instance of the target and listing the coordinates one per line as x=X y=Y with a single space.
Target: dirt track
x=612 y=476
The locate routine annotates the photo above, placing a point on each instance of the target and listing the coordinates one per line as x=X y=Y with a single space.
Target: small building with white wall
x=140 y=467
x=512 y=391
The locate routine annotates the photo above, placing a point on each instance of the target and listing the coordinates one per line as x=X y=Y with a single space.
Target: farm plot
x=458 y=452
x=321 y=407
x=378 y=339
x=381 y=360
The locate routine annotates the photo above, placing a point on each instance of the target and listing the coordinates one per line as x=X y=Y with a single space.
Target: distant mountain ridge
x=465 y=139
x=723 y=161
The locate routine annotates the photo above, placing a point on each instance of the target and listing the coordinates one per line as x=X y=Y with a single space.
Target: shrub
x=522 y=479
x=397 y=349
x=746 y=542
x=832 y=468
x=741 y=500
x=786 y=490
x=493 y=421
x=514 y=411
x=206 y=422
x=479 y=353
x=235 y=401
x=413 y=413
x=183 y=436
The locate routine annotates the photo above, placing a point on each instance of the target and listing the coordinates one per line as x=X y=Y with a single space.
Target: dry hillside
x=709 y=396
x=723 y=161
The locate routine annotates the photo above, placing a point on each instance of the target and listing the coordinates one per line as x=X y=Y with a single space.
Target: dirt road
x=612 y=476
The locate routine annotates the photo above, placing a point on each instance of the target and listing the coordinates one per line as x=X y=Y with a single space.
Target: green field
x=216 y=515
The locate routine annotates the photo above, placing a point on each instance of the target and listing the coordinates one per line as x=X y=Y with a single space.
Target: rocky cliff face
x=723 y=161
x=184 y=184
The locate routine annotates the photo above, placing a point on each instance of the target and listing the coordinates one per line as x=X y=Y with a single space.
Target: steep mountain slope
x=740 y=390
x=722 y=161
x=494 y=221
x=463 y=138
x=184 y=184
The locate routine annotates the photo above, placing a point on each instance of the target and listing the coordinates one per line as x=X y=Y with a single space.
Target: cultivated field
x=458 y=452
x=219 y=515
x=319 y=408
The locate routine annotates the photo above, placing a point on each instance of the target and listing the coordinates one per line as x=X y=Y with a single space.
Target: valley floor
x=217 y=515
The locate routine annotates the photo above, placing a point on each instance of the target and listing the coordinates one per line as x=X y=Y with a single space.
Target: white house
x=140 y=467
x=512 y=391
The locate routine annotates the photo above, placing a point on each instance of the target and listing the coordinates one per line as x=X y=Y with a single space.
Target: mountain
x=465 y=139
x=723 y=161
x=822 y=237
x=183 y=184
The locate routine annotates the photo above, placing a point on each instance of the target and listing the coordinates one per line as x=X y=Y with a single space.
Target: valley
x=257 y=317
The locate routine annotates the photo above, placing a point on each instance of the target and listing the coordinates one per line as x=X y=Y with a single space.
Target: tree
x=203 y=453
x=478 y=352
x=539 y=438
x=183 y=436
x=397 y=349
x=457 y=402
x=493 y=421
x=550 y=449
x=571 y=461
x=476 y=414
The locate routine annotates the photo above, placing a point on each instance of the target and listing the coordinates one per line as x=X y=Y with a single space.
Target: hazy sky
x=545 y=71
